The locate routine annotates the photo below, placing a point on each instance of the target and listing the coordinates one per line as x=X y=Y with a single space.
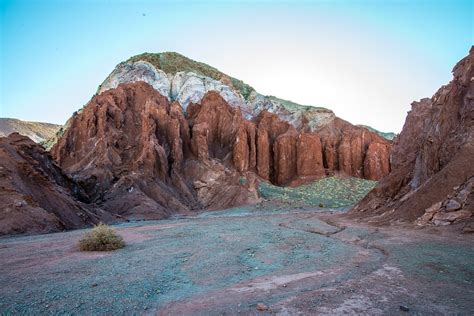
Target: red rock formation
x=263 y=153
x=278 y=153
x=35 y=196
x=432 y=158
x=284 y=150
x=309 y=156
x=354 y=150
x=138 y=156
x=376 y=163
x=133 y=153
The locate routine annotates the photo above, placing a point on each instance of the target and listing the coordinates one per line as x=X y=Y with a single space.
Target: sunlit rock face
x=137 y=71
x=134 y=153
x=190 y=88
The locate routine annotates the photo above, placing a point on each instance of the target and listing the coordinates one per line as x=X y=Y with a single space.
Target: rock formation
x=166 y=135
x=432 y=159
x=35 y=196
x=343 y=145
x=355 y=150
x=136 y=155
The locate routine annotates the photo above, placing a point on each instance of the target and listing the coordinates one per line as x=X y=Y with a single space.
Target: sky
x=365 y=60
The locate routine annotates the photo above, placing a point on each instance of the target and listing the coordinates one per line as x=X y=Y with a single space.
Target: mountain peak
x=173 y=62
x=187 y=81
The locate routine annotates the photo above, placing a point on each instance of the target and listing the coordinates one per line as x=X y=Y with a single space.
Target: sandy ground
x=222 y=263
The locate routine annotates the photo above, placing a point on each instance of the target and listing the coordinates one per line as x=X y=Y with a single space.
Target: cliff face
x=138 y=155
x=35 y=196
x=432 y=159
x=345 y=148
x=135 y=154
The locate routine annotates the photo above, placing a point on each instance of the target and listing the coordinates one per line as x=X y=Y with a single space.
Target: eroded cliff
x=432 y=159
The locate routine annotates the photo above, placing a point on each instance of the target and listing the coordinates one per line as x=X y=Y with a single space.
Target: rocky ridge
x=139 y=155
x=38 y=132
x=186 y=81
x=432 y=159
x=132 y=152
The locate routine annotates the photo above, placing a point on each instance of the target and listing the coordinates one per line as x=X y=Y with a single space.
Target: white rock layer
x=187 y=87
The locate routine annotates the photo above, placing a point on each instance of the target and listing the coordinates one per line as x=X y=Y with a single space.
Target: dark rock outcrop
x=35 y=196
x=432 y=159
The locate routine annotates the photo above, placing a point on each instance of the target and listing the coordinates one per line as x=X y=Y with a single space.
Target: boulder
x=452 y=205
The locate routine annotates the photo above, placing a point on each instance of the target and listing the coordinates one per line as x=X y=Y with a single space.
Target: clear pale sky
x=366 y=60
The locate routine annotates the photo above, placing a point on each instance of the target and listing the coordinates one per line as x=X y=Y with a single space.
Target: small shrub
x=101 y=238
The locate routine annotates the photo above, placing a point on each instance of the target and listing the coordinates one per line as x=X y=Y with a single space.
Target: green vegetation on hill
x=171 y=62
x=386 y=135
x=292 y=106
x=331 y=192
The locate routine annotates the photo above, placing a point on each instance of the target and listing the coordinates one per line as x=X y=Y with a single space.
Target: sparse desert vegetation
x=331 y=192
x=101 y=238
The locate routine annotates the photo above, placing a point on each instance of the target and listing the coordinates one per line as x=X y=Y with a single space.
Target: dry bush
x=101 y=238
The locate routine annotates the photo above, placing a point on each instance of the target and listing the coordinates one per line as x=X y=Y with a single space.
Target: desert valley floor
x=292 y=260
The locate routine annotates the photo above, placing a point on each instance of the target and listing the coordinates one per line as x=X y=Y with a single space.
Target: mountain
x=186 y=81
x=38 y=132
x=181 y=79
x=165 y=135
x=432 y=176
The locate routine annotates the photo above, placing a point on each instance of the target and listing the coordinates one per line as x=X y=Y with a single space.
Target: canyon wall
x=432 y=159
x=139 y=155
